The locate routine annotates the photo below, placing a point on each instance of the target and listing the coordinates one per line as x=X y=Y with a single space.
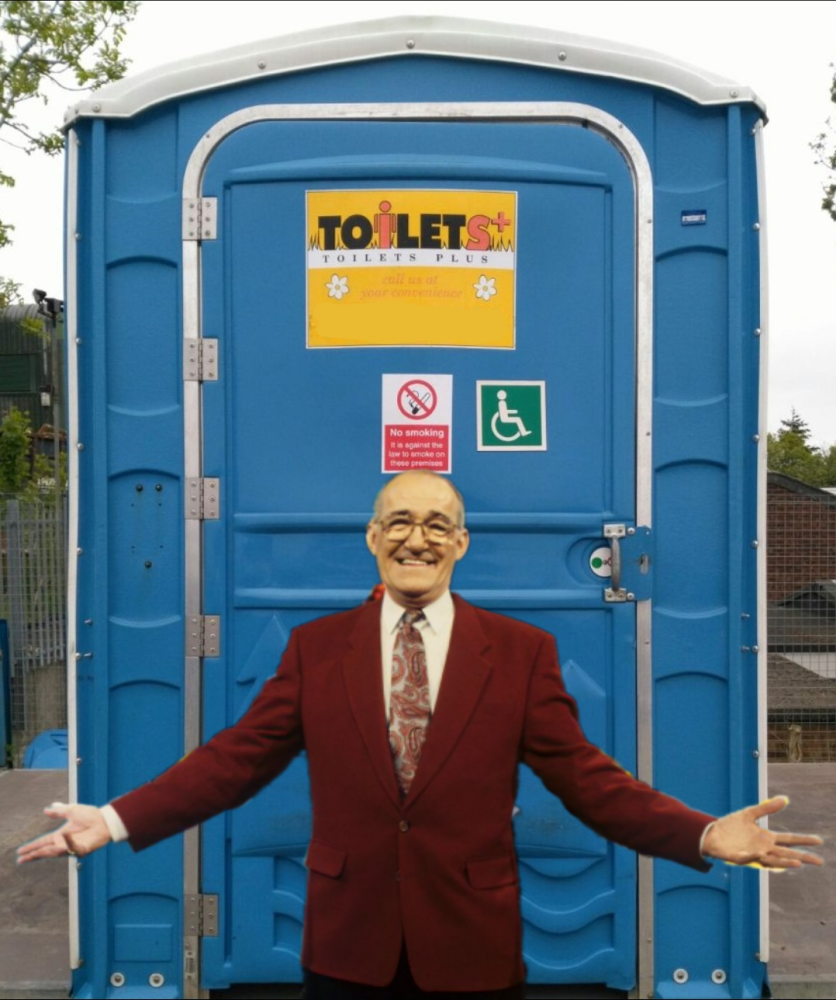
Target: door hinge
x=200 y=218
x=632 y=563
x=203 y=499
x=201 y=915
x=200 y=359
x=203 y=635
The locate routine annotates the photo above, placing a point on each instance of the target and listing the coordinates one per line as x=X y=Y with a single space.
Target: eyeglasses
x=399 y=527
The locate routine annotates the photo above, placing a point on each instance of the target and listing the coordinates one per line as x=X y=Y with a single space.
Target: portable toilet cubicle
x=527 y=259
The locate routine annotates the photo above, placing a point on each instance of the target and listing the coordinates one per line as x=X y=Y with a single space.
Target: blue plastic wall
x=131 y=585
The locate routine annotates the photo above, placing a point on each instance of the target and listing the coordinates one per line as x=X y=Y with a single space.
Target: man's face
x=417 y=569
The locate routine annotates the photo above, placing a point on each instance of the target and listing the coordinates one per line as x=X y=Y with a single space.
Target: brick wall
x=801 y=536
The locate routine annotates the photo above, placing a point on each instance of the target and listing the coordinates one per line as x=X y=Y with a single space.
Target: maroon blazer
x=437 y=870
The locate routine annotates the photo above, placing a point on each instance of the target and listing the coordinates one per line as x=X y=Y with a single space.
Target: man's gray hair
x=378 y=500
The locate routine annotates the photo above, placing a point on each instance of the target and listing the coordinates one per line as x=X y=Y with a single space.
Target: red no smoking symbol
x=417 y=399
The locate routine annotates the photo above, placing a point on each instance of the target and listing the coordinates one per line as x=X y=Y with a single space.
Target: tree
x=829 y=459
x=22 y=472
x=795 y=425
x=15 y=451
x=789 y=453
x=71 y=45
x=825 y=152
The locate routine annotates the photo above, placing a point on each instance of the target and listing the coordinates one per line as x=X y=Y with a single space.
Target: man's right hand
x=83 y=832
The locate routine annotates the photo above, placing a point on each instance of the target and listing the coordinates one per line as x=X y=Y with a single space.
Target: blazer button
x=403 y=826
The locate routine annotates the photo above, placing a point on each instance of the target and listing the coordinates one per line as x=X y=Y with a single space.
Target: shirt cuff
x=118 y=830
x=702 y=840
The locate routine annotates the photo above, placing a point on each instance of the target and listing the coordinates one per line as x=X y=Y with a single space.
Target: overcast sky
x=782 y=50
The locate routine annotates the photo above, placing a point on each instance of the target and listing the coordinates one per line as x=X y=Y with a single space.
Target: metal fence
x=801 y=618
x=33 y=571
x=801 y=621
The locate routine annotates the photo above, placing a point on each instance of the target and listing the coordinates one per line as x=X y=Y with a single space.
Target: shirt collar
x=439 y=614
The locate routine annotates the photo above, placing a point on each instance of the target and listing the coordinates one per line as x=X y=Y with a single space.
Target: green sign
x=511 y=416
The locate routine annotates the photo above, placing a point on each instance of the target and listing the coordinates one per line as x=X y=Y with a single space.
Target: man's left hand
x=738 y=839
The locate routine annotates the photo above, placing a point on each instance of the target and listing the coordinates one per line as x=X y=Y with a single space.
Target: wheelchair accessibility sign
x=511 y=416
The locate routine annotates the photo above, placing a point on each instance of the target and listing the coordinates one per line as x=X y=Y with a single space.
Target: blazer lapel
x=363 y=673
x=466 y=673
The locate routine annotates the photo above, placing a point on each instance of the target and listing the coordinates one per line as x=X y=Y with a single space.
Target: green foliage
x=829 y=460
x=795 y=425
x=15 y=449
x=789 y=453
x=825 y=149
x=23 y=474
x=42 y=481
x=45 y=43
x=36 y=327
x=9 y=292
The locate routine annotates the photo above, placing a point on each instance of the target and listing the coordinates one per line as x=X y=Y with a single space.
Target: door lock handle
x=615 y=549
x=613 y=533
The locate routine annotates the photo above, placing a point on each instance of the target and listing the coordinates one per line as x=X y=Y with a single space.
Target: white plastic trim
x=460 y=38
x=763 y=787
x=71 y=334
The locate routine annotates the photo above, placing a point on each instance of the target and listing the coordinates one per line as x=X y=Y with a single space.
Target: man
x=415 y=713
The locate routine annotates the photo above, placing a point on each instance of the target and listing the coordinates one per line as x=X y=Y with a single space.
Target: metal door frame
x=545 y=112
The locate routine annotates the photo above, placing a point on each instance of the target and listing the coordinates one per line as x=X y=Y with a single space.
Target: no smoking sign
x=417 y=399
x=417 y=415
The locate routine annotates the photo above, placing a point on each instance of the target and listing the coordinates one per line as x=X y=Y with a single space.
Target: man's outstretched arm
x=218 y=775
x=736 y=838
x=603 y=795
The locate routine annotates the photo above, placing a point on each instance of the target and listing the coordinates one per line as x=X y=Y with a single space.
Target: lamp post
x=51 y=309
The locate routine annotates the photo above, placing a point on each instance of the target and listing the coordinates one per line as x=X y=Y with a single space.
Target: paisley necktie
x=409 y=709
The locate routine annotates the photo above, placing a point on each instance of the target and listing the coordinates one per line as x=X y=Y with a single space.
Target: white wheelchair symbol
x=504 y=415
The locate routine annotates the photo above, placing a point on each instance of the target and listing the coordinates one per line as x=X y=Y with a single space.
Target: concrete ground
x=33 y=902
x=802 y=907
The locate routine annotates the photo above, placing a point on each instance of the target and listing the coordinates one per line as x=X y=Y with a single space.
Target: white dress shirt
x=436 y=627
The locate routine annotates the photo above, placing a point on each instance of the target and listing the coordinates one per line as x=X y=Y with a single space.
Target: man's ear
x=372 y=536
x=462 y=543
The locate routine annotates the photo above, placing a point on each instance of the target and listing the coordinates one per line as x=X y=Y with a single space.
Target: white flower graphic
x=337 y=287
x=485 y=288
